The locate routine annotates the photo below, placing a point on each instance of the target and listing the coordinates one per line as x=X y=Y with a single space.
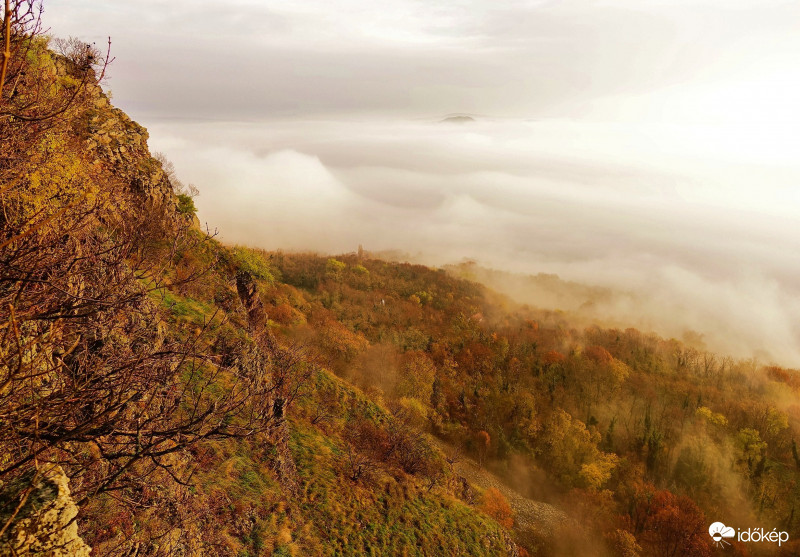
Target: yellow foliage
x=334 y=269
x=416 y=410
x=712 y=417
x=749 y=442
x=338 y=339
x=417 y=375
x=619 y=371
x=623 y=543
x=596 y=473
x=572 y=450
x=777 y=421
x=284 y=535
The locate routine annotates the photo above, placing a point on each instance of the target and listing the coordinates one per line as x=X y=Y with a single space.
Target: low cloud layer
x=683 y=245
x=648 y=146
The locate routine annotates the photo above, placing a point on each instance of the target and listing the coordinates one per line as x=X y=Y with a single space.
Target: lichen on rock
x=38 y=515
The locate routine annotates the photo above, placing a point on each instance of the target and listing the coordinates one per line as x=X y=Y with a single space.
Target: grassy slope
x=390 y=513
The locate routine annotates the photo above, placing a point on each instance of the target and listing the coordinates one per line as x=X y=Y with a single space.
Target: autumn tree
x=669 y=524
x=41 y=92
x=483 y=442
x=494 y=504
x=417 y=372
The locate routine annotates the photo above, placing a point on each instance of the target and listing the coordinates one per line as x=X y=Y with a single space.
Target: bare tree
x=84 y=361
x=178 y=186
x=26 y=84
x=358 y=466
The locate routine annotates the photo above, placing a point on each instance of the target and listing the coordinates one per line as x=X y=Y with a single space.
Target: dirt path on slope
x=530 y=517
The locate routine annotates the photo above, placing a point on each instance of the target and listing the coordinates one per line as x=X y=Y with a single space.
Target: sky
x=648 y=146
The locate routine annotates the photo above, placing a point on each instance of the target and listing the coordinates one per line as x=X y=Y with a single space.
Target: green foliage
x=186 y=204
x=185 y=309
x=334 y=269
x=253 y=262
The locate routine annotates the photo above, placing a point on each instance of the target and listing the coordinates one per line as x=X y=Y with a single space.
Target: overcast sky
x=647 y=145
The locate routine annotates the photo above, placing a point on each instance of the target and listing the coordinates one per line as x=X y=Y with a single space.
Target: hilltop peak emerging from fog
x=457 y=119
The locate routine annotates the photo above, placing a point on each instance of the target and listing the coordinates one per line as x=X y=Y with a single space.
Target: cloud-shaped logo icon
x=718 y=532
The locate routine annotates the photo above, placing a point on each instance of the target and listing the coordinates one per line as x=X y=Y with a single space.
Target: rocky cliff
x=119 y=143
x=38 y=515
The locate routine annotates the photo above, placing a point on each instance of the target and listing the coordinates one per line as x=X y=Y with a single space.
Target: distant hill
x=458 y=119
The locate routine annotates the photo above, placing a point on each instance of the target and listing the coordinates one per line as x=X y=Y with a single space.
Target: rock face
x=256 y=314
x=119 y=142
x=283 y=464
x=44 y=524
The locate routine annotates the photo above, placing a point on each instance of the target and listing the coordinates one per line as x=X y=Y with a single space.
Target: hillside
x=162 y=393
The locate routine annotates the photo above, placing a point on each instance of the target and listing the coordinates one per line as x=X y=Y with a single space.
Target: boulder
x=38 y=515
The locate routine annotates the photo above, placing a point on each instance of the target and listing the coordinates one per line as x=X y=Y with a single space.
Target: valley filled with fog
x=659 y=216
x=645 y=147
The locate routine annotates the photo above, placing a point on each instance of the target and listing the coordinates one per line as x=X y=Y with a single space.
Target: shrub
x=494 y=504
x=186 y=205
x=252 y=262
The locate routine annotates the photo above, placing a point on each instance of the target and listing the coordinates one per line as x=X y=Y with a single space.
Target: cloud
x=525 y=196
x=536 y=58
x=284 y=199
x=648 y=146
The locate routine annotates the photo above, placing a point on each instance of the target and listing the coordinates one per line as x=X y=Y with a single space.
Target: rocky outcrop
x=256 y=314
x=121 y=144
x=268 y=350
x=38 y=516
x=116 y=141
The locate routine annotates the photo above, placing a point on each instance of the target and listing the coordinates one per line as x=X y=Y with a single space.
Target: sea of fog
x=694 y=228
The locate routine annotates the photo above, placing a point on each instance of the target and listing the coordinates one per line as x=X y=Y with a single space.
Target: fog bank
x=681 y=238
x=648 y=147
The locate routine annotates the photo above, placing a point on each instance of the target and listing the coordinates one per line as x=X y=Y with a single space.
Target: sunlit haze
x=645 y=146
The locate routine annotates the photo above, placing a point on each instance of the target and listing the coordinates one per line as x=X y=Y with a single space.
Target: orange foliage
x=286 y=315
x=484 y=439
x=496 y=505
x=670 y=524
x=553 y=357
x=598 y=354
x=789 y=376
x=341 y=341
